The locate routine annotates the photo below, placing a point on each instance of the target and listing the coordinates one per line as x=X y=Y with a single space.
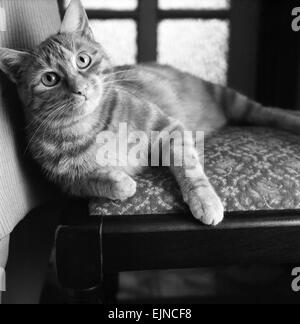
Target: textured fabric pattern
x=28 y=23
x=250 y=168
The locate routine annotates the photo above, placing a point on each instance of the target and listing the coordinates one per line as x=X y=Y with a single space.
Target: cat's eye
x=50 y=79
x=83 y=60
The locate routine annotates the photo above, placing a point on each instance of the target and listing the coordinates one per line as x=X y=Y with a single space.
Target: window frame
x=147 y=15
x=245 y=20
x=242 y=14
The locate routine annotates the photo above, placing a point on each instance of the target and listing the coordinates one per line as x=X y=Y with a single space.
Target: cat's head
x=61 y=78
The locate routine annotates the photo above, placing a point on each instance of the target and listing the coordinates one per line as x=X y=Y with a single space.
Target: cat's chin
x=90 y=106
x=79 y=101
x=82 y=107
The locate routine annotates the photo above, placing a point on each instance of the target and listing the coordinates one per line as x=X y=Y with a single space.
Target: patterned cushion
x=251 y=168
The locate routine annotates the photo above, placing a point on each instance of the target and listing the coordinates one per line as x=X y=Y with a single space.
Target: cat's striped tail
x=240 y=109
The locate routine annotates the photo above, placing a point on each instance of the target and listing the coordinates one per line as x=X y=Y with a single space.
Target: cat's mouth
x=80 y=98
x=84 y=105
x=79 y=104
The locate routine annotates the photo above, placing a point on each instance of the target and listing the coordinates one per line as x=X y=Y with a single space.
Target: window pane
x=194 y=4
x=109 y=4
x=118 y=37
x=196 y=46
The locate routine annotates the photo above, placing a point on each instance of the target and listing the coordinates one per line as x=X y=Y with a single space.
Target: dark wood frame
x=92 y=250
x=279 y=47
x=245 y=18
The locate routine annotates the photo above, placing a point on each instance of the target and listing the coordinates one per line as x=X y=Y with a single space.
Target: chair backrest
x=24 y=24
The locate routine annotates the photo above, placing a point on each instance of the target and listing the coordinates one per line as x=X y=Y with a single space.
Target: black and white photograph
x=149 y=154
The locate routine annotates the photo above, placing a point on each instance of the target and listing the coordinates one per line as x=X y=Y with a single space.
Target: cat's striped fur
x=64 y=120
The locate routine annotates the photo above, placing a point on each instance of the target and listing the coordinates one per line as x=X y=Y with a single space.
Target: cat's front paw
x=206 y=206
x=122 y=187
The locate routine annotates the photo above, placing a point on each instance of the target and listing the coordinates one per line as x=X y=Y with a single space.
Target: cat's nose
x=78 y=86
x=81 y=91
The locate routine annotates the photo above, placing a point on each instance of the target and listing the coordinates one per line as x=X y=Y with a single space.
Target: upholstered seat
x=251 y=168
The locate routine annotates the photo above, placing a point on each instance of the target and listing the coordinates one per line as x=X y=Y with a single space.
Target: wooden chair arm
x=88 y=250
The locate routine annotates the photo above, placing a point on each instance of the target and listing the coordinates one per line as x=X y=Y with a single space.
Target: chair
x=21 y=186
x=256 y=173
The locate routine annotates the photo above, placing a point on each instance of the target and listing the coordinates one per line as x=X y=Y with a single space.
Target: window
x=110 y=4
x=115 y=27
x=118 y=37
x=194 y=4
x=192 y=35
x=195 y=45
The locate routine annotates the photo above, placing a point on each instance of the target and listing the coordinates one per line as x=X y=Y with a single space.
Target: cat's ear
x=76 y=20
x=11 y=63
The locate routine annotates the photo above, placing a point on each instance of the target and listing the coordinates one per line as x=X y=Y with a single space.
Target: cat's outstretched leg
x=115 y=185
x=197 y=191
x=199 y=195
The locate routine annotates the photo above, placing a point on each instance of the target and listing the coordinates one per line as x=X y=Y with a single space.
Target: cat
x=71 y=93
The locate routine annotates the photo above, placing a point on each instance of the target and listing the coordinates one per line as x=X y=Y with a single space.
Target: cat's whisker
x=59 y=114
x=126 y=72
x=44 y=123
x=121 y=80
x=118 y=85
x=119 y=74
x=128 y=92
x=39 y=119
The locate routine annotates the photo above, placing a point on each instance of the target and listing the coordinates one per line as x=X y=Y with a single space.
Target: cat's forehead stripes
x=63 y=48
x=51 y=52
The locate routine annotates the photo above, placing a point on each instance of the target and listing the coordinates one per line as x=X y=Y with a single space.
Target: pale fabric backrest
x=28 y=22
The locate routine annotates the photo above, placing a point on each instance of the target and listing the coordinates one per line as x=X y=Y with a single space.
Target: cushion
x=27 y=24
x=251 y=168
